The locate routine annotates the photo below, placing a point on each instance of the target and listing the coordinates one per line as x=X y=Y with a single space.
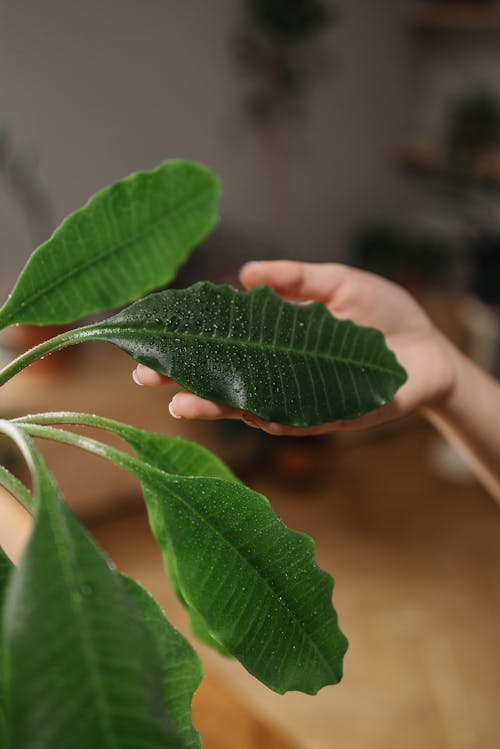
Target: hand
x=351 y=294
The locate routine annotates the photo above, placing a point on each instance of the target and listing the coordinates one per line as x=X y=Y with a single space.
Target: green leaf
x=172 y=455
x=128 y=239
x=6 y=568
x=198 y=625
x=182 y=671
x=81 y=668
x=253 y=581
x=184 y=458
x=294 y=364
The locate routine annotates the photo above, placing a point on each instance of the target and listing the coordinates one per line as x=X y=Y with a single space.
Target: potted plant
x=87 y=657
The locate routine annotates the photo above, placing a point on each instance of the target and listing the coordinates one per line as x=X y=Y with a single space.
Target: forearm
x=469 y=416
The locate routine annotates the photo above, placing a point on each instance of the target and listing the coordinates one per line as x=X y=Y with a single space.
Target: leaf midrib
x=75 y=272
x=281 y=602
x=239 y=343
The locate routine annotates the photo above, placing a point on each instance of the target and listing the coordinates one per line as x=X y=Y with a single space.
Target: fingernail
x=172 y=410
x=135 y=377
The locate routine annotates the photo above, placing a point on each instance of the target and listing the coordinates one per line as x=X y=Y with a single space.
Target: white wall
x=104 y=87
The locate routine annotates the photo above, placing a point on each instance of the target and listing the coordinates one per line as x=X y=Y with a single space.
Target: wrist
x=450 y=363
x=466 y=414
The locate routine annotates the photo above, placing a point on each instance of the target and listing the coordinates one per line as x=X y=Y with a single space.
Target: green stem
x=17 y=489
x=28 y=450
x=123 y=431
x=69 y=338
x=118 y=457
x=80 y=419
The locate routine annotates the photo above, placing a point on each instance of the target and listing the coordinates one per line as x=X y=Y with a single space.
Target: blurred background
x=361 y=132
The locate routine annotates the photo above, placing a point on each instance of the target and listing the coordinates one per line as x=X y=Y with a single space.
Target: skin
x=462 y=401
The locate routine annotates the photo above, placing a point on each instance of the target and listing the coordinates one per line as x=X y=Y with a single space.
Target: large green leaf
x=6 y=568
x=253 y=581
x=81 y=667
x=295 y=364
x=182 y=670
x=128 y=239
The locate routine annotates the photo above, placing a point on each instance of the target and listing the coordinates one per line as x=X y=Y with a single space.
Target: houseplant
x=86 y=655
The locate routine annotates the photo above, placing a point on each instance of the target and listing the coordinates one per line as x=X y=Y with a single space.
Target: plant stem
x=72 y=417
x=69 y=338
x=17 y=489
x=121 y=459
x=30 y=454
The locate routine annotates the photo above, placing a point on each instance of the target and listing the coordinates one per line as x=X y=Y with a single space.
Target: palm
x=375 y=302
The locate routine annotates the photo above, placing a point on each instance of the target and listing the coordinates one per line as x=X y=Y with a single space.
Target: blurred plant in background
x=277 y=48
x=449 y=238
x=472 y=124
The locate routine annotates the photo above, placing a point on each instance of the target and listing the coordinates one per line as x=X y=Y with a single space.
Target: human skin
x=455 y=395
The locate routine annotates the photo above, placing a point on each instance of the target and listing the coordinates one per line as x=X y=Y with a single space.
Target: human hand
x=364 y=298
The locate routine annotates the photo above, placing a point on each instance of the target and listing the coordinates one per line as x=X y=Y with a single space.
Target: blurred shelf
x=427 y=156
x=475 y=16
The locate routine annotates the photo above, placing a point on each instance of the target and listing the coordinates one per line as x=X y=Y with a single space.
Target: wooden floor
x=416 y=560
x=417 y=564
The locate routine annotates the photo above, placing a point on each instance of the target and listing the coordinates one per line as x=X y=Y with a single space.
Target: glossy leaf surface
x=294 y=364
x=81 y=667
x=182 y=671
x=252 y=580
x=128 y=239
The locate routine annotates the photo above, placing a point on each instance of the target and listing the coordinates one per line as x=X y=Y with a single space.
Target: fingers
x=297 y=281
x=282 y=430
x=185 y=405
x=145 y=376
